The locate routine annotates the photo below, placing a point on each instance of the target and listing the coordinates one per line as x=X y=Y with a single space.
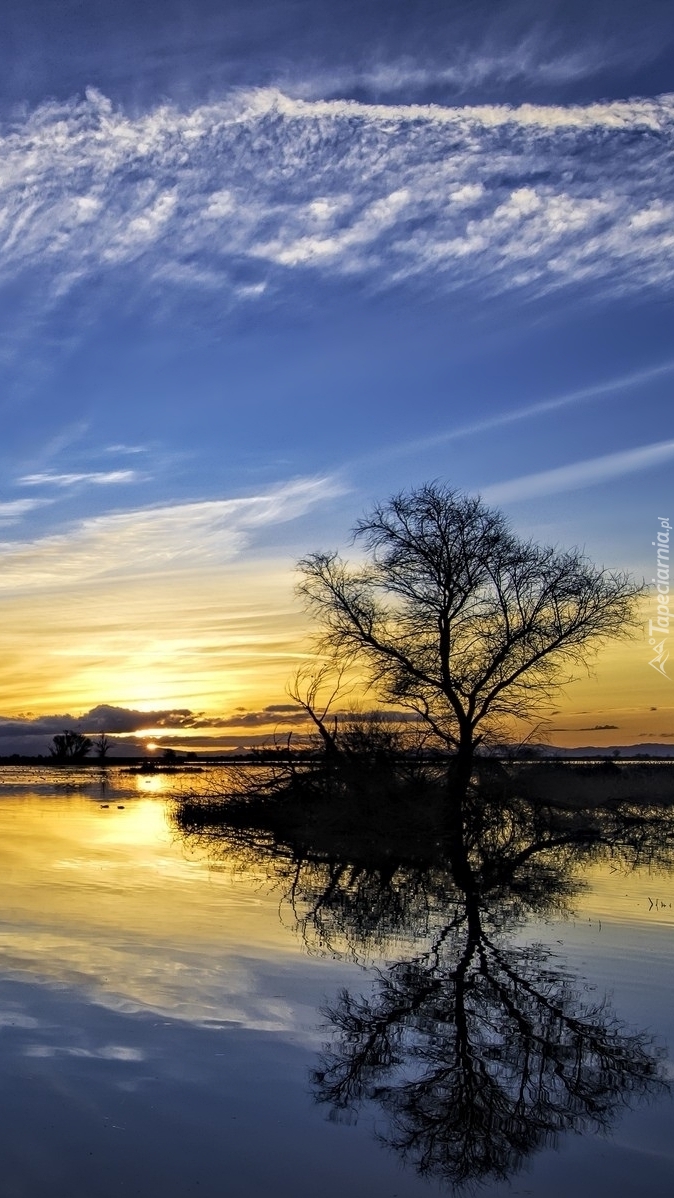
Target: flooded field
x=214 y=1015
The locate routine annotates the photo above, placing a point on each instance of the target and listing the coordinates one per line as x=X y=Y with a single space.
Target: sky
x=266 y=263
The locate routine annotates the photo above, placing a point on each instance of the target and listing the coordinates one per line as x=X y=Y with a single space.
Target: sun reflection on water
x=99 y=893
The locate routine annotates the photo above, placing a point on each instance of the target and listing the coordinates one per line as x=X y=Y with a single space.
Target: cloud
x=12 y=511
x=108 y=718
x=591 y=728
x=147 y=540
x=32 y=735
x=467 y=71
x=289 y=714
x=502 y=44
x=102 y=718
x=179 y=727
x=268 y=717
x=580 y=474
x=96 y=478
x=243 y=195
x=514 y=415
x=109 y=1052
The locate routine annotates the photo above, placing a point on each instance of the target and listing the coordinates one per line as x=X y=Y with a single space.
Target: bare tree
x=480 y=1050
x=459 y=619
x=102 y=745
x=70 y=746
x=481 y=1054
x=315 y=692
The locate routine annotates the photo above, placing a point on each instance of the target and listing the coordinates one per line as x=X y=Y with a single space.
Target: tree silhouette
x=102 y=745
x=479 y=1051
x=455 y=617
x=481 y=1054
x=70 y=746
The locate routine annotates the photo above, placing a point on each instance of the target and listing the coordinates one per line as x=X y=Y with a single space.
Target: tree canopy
x=70 y=746
x=455 y=616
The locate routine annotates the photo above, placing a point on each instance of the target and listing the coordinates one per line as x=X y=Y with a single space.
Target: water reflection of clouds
x=16 y=1020
x=111 y=904
x=108 y=1052
x=134 y=978
x=125 y=955
x=204 y=986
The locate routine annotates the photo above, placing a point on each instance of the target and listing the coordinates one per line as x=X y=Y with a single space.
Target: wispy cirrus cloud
x=610 y=387
x=15 y=509
x=150 y=540
x=94 y=477
x=580 y=474
x=259 y=188
x=532 y=59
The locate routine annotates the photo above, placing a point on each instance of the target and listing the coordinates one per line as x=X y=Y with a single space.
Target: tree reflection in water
x=478 y=1050
x=479 y=1054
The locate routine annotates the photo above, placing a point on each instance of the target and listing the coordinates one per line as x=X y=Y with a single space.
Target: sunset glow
x=239 y=312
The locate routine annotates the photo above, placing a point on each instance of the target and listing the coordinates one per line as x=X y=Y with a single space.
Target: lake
x=190 y=1015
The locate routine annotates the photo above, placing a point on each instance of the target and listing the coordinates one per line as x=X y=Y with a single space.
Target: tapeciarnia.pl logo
x=659 y=627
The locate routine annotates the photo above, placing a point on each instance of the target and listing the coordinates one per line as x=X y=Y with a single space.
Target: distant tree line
x=72 y=746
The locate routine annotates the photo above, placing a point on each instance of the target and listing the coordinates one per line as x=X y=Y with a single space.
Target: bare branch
x=456 y=617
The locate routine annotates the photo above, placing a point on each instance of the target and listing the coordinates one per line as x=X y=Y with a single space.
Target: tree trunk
x=460 y=772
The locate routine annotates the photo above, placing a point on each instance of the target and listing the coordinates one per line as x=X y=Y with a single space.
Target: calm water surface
x=179 y=1018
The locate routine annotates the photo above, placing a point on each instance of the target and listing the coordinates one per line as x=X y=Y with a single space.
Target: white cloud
x=202 y=985
x=529 y=411
x=337 y=246
x=148 y=540
x=109 y=1052
x=468 y=193
x=580 y=474
x=536 y=196
x=538 y=57
x=12 y=511
x=96 y=477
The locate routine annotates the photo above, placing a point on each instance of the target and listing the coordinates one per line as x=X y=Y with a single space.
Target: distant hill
x=645 y=749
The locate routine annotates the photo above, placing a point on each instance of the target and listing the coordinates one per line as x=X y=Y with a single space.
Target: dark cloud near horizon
x=31 y=735
x=590 y=728
x=102 y=718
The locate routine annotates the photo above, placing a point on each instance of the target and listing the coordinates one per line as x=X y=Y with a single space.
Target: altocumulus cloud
x=259 y=188
x=155 y=539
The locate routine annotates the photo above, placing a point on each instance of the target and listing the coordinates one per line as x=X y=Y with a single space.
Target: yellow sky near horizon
x=621 y=689
x=222 y=639
x=230 y=636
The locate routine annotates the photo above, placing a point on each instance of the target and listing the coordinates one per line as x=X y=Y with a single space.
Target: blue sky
x=264 y=263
